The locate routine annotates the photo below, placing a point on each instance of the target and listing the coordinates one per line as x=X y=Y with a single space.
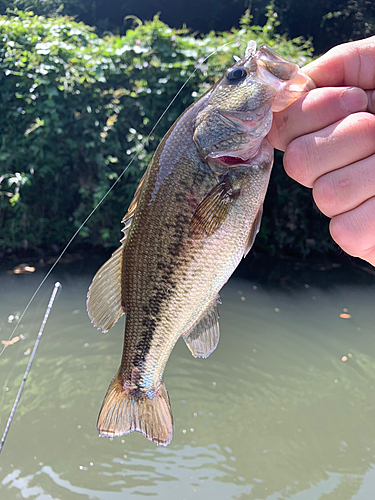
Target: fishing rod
x=57 y=287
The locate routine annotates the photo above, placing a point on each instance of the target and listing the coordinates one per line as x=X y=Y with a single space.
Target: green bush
x=75 y=109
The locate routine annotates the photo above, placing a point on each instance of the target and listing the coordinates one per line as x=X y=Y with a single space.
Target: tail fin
x=127 y=410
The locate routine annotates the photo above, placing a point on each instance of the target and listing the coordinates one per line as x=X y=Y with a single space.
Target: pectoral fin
x=254 y=230
x=214 y=209
x=203 y=338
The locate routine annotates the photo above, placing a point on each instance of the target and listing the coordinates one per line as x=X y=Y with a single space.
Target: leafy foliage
x=48 y=8
x=327 y=22
x=75 y=109
x=110 y=15
x=350 y=20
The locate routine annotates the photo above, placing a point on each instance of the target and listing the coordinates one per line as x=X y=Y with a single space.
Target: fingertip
x=353 y=99
x=342 y=234
x=276 y=137
x=325 y=194
x=295 y=162
x=371 y=101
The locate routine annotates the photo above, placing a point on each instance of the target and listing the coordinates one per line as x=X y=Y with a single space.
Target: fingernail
x=353 y=99
x=371 y=101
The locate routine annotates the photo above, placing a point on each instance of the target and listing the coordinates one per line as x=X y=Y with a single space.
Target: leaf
x=10 y=342
x=345 y=316
x=38 y=123
x=111 y=120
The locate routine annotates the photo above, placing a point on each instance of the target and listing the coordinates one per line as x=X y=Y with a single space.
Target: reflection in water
x=283 y=409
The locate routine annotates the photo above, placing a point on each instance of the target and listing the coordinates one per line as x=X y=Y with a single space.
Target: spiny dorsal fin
x=203 y=338
x=254 y=230
x=214 y=209
x=104 y=304
x=127 y=219
x=125 y=410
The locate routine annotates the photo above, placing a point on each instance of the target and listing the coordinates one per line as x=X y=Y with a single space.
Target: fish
x=194 y=216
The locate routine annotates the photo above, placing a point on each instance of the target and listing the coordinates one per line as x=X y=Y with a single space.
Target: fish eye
x=236 y=73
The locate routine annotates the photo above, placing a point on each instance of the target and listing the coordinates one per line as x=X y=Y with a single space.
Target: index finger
x=349 y=64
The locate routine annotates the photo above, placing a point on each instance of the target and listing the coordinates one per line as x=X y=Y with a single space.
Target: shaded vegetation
x=76 y=108
x=326 y=22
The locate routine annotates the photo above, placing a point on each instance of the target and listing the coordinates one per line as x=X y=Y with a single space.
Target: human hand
x=329 y=141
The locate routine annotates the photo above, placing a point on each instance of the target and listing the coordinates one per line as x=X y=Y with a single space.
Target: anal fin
x=128 y=409
x=204 y=336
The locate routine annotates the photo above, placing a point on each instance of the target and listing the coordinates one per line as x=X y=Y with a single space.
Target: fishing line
x=57 y=287
x=109 y=190
x=20 y=346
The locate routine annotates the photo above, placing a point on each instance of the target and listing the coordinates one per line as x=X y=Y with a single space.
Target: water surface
x=283 y=409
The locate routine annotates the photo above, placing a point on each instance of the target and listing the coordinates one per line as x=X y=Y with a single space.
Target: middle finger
x=346 y=141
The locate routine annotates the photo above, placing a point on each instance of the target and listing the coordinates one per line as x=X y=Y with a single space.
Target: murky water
x=283 y=409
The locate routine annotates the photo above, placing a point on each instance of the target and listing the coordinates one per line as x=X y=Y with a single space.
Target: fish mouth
x=222 y=160
x=229 y=161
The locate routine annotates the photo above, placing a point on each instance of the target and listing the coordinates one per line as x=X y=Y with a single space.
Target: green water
x=274 y=413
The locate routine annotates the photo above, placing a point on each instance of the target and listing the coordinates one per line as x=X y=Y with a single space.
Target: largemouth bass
x=194 y=216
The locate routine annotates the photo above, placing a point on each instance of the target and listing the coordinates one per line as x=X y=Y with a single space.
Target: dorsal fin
x=104 y=302
x=203 y=337
x=127 y=219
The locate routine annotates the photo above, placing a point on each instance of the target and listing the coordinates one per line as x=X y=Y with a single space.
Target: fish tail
x=125 y=410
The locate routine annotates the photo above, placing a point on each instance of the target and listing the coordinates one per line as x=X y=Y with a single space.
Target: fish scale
x=194 y=216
